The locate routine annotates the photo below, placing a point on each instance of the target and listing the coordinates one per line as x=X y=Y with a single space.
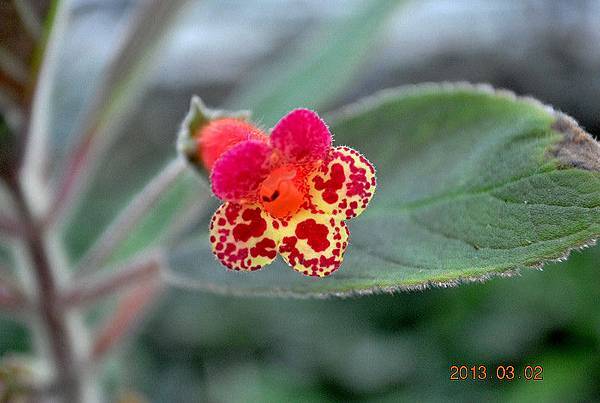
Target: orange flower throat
x=279 y=194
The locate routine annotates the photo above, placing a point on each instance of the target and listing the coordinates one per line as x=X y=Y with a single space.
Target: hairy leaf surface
x=472 y=183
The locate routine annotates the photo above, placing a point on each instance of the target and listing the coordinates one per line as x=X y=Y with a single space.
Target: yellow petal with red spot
x=343 y=185
x=314 y=244
x=243 y=237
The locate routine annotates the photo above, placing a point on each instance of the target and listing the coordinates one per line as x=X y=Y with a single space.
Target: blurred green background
x=380 y=348
x=200 y=347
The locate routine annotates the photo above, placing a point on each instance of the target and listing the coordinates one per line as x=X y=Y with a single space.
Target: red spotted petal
x=314 y=244
x=238 y=173
x=301 y=136
x=344 y=184
x=242 y=237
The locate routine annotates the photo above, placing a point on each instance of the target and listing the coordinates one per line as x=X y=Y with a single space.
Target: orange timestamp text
x=480 y=372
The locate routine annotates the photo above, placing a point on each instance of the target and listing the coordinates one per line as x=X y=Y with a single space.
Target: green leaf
x=472 y=183
x=315 y=76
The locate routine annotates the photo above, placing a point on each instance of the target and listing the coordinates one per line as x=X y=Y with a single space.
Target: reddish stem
x=68 y=184
x=127 y=315
x=53 y=318
x=90 y=290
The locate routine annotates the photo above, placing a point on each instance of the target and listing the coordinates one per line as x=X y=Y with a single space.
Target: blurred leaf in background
x=314 y=76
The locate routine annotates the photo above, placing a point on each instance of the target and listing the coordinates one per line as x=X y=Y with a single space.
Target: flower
x=287 y=193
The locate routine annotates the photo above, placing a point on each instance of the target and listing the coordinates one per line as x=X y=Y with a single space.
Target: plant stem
x=36 y=131
x=127 y=315
x=52 y=316
x=121 y=227
x=131 y=274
